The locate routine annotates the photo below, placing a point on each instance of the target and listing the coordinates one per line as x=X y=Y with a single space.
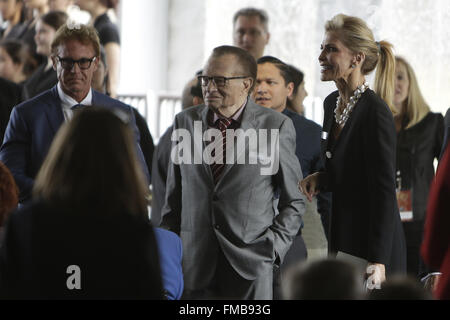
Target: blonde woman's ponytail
x=385 y=75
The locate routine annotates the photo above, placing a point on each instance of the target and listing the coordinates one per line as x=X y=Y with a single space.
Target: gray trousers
x=228 y=284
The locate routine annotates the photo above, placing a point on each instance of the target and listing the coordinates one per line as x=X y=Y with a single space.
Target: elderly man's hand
x=310 y=186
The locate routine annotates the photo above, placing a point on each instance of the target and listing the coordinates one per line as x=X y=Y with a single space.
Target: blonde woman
x=360 y=150
x=419 y=140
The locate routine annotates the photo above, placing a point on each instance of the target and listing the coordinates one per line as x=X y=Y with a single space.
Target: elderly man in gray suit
x=219 y=195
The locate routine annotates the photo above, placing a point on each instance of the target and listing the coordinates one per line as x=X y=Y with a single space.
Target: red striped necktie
x=217 y=168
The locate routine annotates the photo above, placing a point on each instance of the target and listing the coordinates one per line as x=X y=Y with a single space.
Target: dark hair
x=245 y=59
x=110 y=4
x=18 y=51
x=297 y=77
x=92 y=166
x=196 y=90
x=55 y=19
x=280 y=65
x=192 y=89
x=9 y=193
x=252 y=12
x=328 y=279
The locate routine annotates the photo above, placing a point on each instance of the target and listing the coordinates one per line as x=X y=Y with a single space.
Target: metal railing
x=159 y=109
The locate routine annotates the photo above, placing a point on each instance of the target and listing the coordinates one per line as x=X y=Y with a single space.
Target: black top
x=160 y=167
x=107 y=31
x=9 y=97
x=117 y=255
x=360 y=171
x=417 y=147
x=39 y=82
x=146 y=140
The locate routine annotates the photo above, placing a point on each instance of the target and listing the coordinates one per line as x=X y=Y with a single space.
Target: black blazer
x=40 y=81
x=417 y=147
x=9 y=97
x=117 y=255
x=360 y=171
x=160 y=168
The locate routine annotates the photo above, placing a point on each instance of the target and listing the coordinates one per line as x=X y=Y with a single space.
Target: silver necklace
x=342 y=117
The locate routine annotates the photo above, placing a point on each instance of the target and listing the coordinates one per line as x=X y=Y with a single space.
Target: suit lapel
x=97 y=98
x=53 y=110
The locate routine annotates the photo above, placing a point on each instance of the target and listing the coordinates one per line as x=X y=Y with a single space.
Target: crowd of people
x=230 y=180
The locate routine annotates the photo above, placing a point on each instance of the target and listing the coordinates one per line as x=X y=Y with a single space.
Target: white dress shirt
x=67 y=102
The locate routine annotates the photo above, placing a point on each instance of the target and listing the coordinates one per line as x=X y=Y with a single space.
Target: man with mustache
x=232 y=237
x=34 y=123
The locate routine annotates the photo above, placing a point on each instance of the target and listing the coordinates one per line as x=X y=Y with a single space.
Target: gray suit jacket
x=236 y=215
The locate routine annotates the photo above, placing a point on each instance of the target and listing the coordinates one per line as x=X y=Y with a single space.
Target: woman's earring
x=353 y=66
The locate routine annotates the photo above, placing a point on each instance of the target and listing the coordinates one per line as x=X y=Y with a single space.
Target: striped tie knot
x=223 y=124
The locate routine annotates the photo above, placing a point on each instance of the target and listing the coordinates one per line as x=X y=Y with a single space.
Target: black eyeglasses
x=83 y=63
x=218 y=81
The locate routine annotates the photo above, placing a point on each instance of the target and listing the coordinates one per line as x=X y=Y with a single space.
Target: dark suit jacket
x=417 y=148
x=308 y=151
x=39 y=82
x=146 y=140
x=160 y=166
x=117 y=255
x=31 y=129
x=9 y=97
x=360 y=171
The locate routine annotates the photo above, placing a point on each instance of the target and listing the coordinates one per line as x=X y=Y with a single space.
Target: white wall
x=186 y=40
x=164 y=42
x=144 y=28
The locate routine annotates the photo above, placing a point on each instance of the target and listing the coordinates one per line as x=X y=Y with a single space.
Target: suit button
x=216 y=226
x=328 y=154
x=215 y=198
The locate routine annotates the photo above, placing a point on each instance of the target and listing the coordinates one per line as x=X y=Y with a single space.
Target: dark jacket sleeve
x=439 y=136
x=292 y=203
x=379 y=153
x=160 y=164
x=171 y=211
x=323 y=198
x=15 y=153
x=146 y=140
